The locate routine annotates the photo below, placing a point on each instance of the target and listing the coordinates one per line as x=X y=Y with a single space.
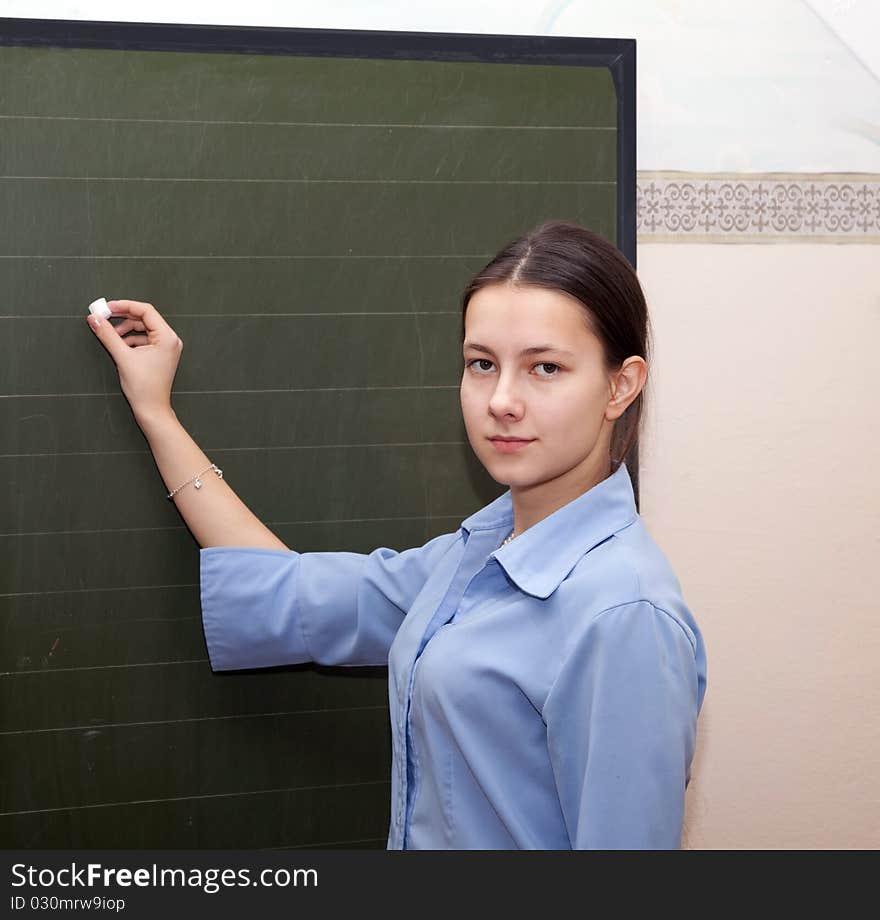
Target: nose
x=504 y=399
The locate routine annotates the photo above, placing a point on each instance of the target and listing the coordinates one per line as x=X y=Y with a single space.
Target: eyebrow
x=534 y=350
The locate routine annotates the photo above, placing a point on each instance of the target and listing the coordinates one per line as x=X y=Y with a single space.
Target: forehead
x=520 y=316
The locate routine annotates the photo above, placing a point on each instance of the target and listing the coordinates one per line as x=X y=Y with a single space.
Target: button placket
x=475 y=560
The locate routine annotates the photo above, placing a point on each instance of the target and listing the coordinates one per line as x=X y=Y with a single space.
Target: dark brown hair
x=564 y=256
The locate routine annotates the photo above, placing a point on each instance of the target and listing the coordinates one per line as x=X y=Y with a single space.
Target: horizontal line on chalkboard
x=427 y=386
x=416 y=517
x=239 y=316
x=329 y=181
x=188 y=798
x=102 y=667
x=95 y=726
x=344 y=255
x=325 y=843
x=315 y=124
x=118 y=453
x=58 y=533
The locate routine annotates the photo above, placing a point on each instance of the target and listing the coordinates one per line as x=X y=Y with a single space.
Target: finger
x=129 y=306
x=128 y=324
x=132 y=340
x=104 y=330
x=145 y=312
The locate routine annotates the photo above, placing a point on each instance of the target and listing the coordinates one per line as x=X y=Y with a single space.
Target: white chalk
x=99 y=308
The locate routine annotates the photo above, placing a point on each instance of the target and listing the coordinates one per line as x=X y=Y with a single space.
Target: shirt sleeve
x=264 y=607
x=621 y=722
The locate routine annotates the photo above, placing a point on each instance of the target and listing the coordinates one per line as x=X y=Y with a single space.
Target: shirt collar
x=538 y=560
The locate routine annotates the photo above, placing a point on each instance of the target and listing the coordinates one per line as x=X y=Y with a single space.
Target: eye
x=478 y=361
x=547 y=364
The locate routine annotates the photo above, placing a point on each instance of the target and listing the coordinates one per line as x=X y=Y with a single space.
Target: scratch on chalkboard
x=107 y=419
x=47 y=660
x=421 y=350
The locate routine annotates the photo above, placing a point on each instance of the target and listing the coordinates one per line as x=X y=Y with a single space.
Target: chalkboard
x=304 y=206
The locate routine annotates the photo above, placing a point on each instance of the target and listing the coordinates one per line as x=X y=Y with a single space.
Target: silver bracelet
x=196 y=481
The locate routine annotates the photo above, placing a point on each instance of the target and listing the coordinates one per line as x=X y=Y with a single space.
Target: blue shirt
x=543 y=695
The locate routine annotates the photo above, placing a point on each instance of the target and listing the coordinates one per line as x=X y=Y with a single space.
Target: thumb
x=108 y=335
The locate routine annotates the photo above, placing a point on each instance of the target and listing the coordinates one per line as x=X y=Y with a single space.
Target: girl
x=545 y=673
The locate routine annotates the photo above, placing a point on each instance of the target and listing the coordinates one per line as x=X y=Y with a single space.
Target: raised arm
x=147 y=360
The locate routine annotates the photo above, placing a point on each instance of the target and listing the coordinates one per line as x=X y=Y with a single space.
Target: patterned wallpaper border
x=679 y=207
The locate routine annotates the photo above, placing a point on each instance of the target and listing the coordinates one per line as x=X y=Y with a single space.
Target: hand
x=147 y=362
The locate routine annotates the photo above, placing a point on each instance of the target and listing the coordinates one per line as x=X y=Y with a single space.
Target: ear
x=626 y=384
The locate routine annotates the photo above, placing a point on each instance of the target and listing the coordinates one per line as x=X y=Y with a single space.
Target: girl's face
x=556 y=398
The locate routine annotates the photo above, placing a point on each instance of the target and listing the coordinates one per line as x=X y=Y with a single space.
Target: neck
x=531 y=504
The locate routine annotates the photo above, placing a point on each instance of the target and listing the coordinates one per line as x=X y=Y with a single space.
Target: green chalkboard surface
x=304 y=207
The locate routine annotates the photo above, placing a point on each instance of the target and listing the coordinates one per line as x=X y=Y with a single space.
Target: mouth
x=509 y=445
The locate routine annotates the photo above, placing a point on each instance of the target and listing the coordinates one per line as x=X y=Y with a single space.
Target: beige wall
x=759 y=471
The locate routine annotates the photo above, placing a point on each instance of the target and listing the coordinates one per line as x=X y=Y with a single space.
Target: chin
x=501 y=480
x=507 y=478
x=495 y=469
